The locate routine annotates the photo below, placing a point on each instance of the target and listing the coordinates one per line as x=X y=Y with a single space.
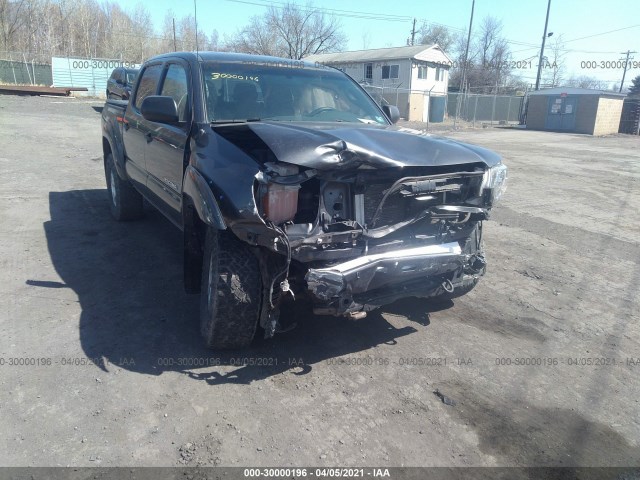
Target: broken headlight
x=495 y=179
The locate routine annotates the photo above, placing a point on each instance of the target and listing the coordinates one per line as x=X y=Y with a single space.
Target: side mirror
x=119 y=81
x=156 y=108
x=392 y=113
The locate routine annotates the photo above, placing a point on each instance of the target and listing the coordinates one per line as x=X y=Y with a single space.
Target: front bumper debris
x=339 y=285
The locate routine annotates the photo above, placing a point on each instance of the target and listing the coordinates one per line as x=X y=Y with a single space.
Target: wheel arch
x=118 y=158
x=200 y=211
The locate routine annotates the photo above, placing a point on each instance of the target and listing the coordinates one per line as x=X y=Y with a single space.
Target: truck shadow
x=136 y=316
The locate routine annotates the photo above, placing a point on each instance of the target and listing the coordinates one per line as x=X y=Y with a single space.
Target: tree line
x=93 y=29
x=40 y=29
x=88 y=28
x=491 y=65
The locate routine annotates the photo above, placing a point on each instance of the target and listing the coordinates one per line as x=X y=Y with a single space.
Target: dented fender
x=196 y=187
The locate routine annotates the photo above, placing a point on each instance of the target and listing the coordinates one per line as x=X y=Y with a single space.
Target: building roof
x=575 y=91
x=427 y=53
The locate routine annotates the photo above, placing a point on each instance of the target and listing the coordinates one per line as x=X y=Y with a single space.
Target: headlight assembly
x=495 y=179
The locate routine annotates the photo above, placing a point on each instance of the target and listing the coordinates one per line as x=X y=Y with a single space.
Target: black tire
x=124 y=201
x=231 y=292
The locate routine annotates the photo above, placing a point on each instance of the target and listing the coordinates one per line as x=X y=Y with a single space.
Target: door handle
x=149 y=137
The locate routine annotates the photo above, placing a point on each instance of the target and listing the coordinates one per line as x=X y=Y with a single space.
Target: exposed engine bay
x=357 y=230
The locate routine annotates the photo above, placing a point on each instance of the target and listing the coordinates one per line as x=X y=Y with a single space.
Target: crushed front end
x=357 y=237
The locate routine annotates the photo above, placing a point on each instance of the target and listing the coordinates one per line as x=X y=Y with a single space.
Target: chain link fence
x=22 y=68
x=483 y=109
x=450 y=109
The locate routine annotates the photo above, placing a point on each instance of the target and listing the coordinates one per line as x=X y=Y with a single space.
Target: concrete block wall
x=609 y=113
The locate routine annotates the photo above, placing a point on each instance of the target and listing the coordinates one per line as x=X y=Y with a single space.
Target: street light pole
x=544 y=38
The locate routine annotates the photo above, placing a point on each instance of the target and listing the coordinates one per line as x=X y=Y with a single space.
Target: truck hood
x=338 y=145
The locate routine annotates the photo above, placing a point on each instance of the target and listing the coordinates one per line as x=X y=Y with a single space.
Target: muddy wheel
x=231 y=292
x=124 y=201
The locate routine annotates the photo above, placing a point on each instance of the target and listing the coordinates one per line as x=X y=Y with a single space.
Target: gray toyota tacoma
x=288 y=180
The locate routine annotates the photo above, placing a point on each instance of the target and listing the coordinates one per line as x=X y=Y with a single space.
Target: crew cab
x=287 y=179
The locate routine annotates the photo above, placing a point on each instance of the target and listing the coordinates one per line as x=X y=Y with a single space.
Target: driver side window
x=175 y=86
x=148 y=84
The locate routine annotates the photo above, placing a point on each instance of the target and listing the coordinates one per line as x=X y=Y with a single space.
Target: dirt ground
x=101 y=363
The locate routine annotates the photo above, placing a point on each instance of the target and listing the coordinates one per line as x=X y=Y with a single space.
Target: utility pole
x=624 y=72
x=466 y=50
x=413 y=33
x=544 y=38
x=174 y=35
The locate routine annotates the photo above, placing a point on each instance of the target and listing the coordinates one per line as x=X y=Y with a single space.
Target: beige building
x=576 y=110
x=415 y=78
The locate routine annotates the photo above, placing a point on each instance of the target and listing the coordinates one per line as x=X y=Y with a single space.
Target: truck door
x=137 y=131
x=165 y=153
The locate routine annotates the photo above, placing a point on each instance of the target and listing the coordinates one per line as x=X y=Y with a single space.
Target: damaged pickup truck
x=287 y=179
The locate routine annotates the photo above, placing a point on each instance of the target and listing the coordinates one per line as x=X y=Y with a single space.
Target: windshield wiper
x=236 y=121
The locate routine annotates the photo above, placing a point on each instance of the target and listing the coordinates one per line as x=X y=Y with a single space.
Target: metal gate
x=561 y=113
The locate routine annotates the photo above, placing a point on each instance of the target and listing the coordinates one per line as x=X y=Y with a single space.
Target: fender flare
x=118 y=157
x=205 y=204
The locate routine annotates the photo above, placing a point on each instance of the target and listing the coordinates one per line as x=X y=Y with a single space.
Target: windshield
x=249 y=91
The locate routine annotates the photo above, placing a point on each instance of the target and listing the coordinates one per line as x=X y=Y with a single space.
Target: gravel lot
x=94 y=315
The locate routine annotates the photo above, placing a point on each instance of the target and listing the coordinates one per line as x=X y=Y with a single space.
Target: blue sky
x=523 y=24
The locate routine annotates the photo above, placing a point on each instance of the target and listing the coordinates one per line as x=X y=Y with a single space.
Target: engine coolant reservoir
x=280 y=203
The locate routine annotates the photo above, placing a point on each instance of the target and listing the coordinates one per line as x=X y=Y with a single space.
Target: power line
x=344 y=13
x=405 y=18
x=603 y=33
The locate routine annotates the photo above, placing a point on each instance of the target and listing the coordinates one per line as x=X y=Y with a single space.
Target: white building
x=413 y=78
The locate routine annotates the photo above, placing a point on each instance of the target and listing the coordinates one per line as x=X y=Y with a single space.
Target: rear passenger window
x=175 y=86
x=148 y=83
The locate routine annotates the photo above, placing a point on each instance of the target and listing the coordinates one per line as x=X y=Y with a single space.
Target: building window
x=422 y=72
x=390 y=71
x=439 y=74
x=368 y=71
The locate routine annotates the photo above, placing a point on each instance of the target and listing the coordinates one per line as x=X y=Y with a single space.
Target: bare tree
x=11 y=20
x=366 y=39
x=430 y=34
x=488 y=62
x=289 y=31
x=585 y=81
x=554 y=64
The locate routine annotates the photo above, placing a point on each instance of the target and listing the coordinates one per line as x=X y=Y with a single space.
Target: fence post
x=509 y=109
x=428 y=107
x=455 y=118
x=475 y=109
x=13 y=70
x=26 y=65
x=493 y=108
